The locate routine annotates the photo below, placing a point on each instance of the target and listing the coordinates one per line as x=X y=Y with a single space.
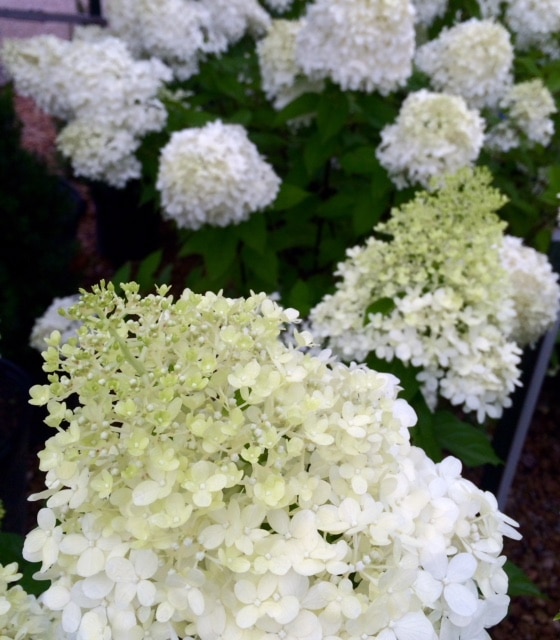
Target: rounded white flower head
x=180 y=32
x=434 y=134
x=472 y=59
x=213 y=175
x=54 y=320
x=283 y=79
x=534 y=22
x=211 y=481
x=358 y=44
x=423 y=299
x=536 y=293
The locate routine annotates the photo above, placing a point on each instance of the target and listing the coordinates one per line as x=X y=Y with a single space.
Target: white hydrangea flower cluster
x=213 y=175
x=21 y=616
x=534 y=22
x=358 y=44
x=448 y=308
x=428 y=10
x=109 y=99
x=435 y=134
x=212 y=482
x=528 y=107
x=180 y=32
x=490 y=8
x=54 y=320
x=535 y=289
x=283 y=79
x=473 y=59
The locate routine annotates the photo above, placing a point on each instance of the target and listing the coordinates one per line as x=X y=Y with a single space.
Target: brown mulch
x=534 y=500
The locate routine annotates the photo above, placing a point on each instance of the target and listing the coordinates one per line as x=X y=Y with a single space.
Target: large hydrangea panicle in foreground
x=448 y=302
x=207 y=481
x=358 y=44
x=434 y=134
x=535 y=290
x=213 y=175
x=472 y=59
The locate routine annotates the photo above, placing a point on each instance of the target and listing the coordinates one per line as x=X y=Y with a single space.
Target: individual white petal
x=71 y=617
x=427 y=587
x=90 y=562
x=56 y=597
x=460 y=599
x=120 y=570
x=74 y=544
x=91 y=626
x=146 y=492
x=145 y=562
x=46 y=518
x=97 y=586
x=414 y=626
x=146 y=593
x=461 y=567
x=196 y=601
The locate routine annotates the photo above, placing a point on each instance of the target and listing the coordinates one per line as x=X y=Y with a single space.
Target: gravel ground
x=534 y=500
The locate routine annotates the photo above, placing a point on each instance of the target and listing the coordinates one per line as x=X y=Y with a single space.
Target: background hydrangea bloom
x=535 y=290
x=449 y=311
x=473 y=59
x=283 y=79
x=535 y=22
x=109 y=98
x=52 y=320
x=433 y=135
x=213 y=482
x=213 y=175
x=358 y=44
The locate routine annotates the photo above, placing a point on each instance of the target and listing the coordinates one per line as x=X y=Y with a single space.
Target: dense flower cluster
x=179 y=32
x=21 y=616
x=283 y=79
x=212 y=482
x=528 y=107
x=535 y=22
x=473 y=59
x=535 y=290
x=109 y=98
x=53 y=320
x=213 y=175
x=434 y=134
x=446 y=306
x=358 y=44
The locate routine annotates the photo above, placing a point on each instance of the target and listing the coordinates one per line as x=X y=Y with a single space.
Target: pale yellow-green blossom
x=208 y=481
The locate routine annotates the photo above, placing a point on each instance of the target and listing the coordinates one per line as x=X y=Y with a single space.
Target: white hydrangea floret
x=210 y=481
x=536 y=293
x=213 y=175
x=473 y=59
x=358 y=44
x=433 y=135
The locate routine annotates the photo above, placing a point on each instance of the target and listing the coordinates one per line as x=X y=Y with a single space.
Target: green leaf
x=253 y=232
x=302 y=106
x=263 y=265
x=220 y=254
x=365 y=214
x=11 y=546
x=123 y=274
x=519 y=582
x=317 y=153
x=332 y=113
x=288 y=196
x=384 y=306
x=469 y=443
x=360 y=161
x=423 y=434
x=146 y=276
x=338 y=206
x=300 y=297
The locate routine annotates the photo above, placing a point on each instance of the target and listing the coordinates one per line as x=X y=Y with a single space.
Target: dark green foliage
x=38 y=215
